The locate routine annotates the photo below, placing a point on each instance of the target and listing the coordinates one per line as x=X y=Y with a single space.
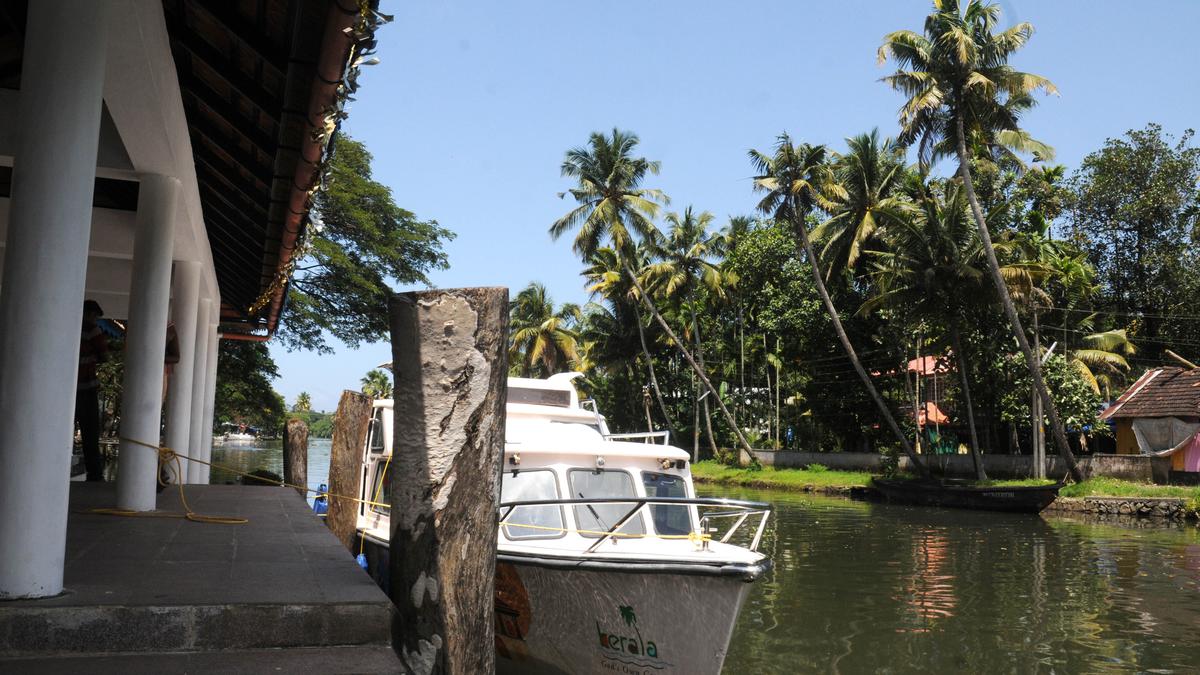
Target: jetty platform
x=168 y=595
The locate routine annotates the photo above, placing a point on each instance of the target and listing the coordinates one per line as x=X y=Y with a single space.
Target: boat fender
x=361 y=559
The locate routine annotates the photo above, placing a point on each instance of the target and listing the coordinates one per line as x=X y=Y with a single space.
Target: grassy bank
x=1112 y=487
x=828 y=480
x=784 y=479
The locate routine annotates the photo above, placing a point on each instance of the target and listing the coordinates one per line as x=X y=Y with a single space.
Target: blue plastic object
x=361 y=559
x=321 y=502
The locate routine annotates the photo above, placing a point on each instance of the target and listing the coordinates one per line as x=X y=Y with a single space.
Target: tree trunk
x=350 y=426
x=770 y=391
x=653 y=378
x=295 y=454
x=778 y=393
x=712 y=439
x=976 y=457
x=814 y=263
x=688 y=357
x=1031 y=359
x=450 y=359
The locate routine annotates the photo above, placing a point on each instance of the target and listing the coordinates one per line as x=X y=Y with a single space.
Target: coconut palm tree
x=377 y=384
x=303 y=402
x=685 y=262
x=797 y=180
x=872 y=172
x=606 y=278
x=543 y=340
x=960 y=86
x=614 y=208
x=1102 y=360
x=934 y=268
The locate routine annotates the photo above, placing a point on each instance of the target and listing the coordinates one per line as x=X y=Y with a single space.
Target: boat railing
x=732 y=508
x=649 y=437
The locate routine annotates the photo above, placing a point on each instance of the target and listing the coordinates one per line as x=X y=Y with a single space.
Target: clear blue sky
x=474 y=104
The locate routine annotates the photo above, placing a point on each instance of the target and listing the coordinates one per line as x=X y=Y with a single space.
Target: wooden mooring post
x=449 y=355
x=350 y=425
x=295 y=454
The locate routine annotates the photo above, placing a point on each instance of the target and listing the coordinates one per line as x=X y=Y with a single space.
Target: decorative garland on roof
x=362 y=50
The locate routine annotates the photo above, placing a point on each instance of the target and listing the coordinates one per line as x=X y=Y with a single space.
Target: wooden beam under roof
x=221 y=66
x=203 y=129
x=196 y=93
x=225 y=13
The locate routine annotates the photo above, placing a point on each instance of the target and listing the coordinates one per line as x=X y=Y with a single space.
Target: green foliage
x=543 y=340
x=303 y=403
x=377 y=384
x=1135 y=210
x=320 y=424
x=1077 y=403
x=816 y=468
x=244 y=394
x=361 y=243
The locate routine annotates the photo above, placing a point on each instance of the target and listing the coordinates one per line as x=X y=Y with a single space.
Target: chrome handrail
x=648 y=436
x=743 y=508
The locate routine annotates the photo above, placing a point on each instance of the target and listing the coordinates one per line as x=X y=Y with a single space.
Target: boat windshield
x=667 y=519
x=601 y=484
x=541 y=522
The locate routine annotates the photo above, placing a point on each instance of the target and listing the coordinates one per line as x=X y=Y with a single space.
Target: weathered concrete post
x=295 y=453
x=350 y=426
x=449 y=355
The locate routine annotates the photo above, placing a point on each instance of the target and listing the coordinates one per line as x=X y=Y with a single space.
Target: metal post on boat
x=450 y=361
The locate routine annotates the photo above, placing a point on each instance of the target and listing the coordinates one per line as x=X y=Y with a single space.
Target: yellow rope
x=167 y=455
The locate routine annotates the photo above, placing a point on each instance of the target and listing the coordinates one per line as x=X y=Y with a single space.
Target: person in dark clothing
x=93 y=350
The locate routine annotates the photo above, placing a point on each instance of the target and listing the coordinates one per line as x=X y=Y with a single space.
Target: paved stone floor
x=158 y=584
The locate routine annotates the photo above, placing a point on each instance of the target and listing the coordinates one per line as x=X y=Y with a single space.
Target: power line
x=1132 y=339
x=1136 y=315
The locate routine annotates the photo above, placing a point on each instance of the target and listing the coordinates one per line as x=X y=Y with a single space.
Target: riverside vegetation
x=720 y=330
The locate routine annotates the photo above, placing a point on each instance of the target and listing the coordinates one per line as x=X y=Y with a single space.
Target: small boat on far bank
x=962 y=494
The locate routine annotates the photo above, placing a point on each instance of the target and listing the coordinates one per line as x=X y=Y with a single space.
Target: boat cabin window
x=558 y=398
x=668 y=519
x=529 y=485
x=601 y=484
x=381 y=488
x=375 y=438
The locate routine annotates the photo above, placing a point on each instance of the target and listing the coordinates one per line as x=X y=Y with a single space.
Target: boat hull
x=1013 y=499
x=558 y=619
x=555 y=617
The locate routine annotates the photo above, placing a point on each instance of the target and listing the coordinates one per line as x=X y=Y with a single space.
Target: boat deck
x=144 y=593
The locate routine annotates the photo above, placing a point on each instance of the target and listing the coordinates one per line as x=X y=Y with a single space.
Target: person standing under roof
x=93 y=350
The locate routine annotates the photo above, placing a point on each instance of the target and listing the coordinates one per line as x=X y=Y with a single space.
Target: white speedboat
x=606 y=560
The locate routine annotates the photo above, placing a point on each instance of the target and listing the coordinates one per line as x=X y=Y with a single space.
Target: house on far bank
x=1160 y=415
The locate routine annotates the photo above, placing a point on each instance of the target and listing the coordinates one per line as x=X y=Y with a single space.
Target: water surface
x=861 y=587
x=268 y=455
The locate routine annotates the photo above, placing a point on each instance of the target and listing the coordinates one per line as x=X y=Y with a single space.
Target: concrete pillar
x=179 y=393
x=199 y=384
x=145 y=341
x=43 y=286
x=210 y=388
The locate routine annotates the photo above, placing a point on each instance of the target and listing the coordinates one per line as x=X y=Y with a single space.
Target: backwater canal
x=860 y=587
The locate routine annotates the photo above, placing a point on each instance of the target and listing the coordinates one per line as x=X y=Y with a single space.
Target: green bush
x=817 y=468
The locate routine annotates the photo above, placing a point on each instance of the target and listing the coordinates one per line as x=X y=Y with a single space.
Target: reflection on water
x=267 y=455
x=861 y=587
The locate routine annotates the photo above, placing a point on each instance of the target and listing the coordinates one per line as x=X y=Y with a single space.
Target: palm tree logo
x=628 y=615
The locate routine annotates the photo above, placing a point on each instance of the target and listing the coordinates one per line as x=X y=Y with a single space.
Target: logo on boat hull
x=618 y=647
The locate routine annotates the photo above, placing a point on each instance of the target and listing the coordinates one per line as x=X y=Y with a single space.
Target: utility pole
x=1039 y=432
